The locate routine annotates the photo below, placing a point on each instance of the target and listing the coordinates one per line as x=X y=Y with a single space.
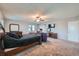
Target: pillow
x=10 y=42
x=7 y=37
x=13 y=35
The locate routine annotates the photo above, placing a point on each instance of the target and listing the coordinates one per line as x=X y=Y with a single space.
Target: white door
x=73 y=31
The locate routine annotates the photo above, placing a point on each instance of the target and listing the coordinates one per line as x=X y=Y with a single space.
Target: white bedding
x=6 y=50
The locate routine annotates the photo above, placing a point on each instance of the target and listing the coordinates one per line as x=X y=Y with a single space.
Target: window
x=31 y=28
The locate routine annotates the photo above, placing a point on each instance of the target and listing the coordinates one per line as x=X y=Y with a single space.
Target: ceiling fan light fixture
x=37 y=20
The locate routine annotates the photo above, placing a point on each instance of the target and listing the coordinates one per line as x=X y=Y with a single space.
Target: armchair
x=44 y=37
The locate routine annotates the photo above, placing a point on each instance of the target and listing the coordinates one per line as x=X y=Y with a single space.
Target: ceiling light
x=37 y=20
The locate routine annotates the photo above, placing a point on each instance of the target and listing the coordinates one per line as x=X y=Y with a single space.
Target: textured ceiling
x=24 y=11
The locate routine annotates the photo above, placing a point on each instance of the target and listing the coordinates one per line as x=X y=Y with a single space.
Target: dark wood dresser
x=53 y=35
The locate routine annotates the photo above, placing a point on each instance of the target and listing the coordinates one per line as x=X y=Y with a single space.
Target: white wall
x=62 y=29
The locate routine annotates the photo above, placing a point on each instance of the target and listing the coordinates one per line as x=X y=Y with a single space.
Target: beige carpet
x=53 y=47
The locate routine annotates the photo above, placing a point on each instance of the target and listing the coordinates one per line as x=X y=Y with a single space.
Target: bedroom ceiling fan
x=39 y=18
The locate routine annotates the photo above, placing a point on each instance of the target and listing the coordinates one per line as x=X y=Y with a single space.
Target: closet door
x=73 y=31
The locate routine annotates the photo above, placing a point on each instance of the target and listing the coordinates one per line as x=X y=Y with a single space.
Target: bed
x=10 y=42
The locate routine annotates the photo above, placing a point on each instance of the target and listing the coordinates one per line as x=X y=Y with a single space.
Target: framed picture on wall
x=51 y=25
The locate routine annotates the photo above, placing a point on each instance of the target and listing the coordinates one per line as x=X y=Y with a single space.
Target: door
x=73 y=31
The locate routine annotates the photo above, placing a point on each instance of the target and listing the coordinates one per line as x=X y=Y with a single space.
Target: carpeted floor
x=53 y=47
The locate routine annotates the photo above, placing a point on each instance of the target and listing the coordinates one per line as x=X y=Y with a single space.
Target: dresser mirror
x=14 y=27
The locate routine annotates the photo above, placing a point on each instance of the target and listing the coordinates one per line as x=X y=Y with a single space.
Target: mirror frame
x=13 y=24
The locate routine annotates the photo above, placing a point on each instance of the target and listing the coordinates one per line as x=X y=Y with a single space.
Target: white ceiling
x=53 y=11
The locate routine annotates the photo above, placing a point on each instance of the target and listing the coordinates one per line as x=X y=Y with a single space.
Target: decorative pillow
x=7 y=37
x=13 y=35
x=10 y=42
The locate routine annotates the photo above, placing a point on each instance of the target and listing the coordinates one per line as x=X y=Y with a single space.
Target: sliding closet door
x=73 y=31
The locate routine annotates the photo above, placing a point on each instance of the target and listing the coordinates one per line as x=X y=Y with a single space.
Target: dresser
x=53 y=35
